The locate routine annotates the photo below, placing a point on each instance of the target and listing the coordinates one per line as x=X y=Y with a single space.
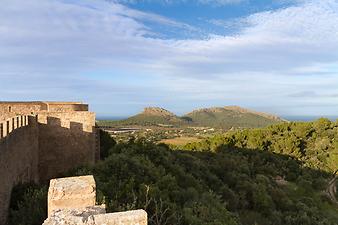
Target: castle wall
x=66 y=140
x=18 y=158
x=59 y=137
x=22 y=107
x=9 y=109
x=62 y=107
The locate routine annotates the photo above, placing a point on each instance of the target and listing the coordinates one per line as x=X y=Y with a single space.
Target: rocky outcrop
x=157 y=111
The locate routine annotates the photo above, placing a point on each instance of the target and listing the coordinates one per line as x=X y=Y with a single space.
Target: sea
x=111 y=117
x=308 y=118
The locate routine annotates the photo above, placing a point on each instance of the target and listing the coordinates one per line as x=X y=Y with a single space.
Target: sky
x=276 y=56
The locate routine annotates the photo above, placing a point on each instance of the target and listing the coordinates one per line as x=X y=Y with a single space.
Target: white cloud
x=221 y=2
x=267 y=60
x=212 y=2
x=276 y=41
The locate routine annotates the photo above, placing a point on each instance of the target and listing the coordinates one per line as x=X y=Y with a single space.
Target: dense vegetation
x=275 y=175
x=28 y=204
x=313 y=143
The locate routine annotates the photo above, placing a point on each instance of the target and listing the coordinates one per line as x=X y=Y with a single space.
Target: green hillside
x=228 y=117
x=313 y=143
x=149 y=117
x=221 y=117
x=154 y=116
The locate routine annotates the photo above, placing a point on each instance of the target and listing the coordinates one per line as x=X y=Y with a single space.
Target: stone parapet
x=133 y=217
x=96 y=216
x=71 y=201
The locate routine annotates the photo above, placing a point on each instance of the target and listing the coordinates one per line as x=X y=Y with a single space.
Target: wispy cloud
x=212 y=2
x=221 y=2
x=276 y=54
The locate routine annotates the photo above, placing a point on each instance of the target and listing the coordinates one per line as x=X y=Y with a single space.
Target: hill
x=231 y=116
x=154 y=116
x=220 y=117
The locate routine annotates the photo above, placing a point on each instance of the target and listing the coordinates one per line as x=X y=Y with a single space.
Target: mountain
x=231 y=116
x=154 y=116
x=219 y=117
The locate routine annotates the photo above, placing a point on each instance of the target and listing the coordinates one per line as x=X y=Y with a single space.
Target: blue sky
x=278 y=56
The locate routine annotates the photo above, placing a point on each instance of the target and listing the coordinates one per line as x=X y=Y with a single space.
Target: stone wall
x=58 y=136
x=18 y=160
x=11 y=109
x=66 y=140
x=63 y=107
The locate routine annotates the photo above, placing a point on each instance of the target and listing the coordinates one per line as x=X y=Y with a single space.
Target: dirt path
x=331 y=189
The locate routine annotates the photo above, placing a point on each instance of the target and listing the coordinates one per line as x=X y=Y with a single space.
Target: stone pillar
x=4 y=129
x=19 y=121
x=1 y=130
x=10 y=125
x=71 y=192
x=14 y=123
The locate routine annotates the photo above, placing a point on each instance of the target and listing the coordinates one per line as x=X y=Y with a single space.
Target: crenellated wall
x=42 y=140
x=18 y=157
x=65 y=139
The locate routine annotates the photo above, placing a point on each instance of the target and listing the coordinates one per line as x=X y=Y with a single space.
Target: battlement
x=10 y=124
x=42 y=140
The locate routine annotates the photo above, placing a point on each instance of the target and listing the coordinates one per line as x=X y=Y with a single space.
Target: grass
x=180 y=141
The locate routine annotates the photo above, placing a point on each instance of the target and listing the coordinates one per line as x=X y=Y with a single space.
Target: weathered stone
x=71 y=192
x=96 y=216
x=71 y=201
x=80 y=216
x=134 y=217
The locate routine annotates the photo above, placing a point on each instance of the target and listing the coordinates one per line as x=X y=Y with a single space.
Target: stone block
x=71 y=192
x=133 y=217
x=83 y=216
x=96 y=216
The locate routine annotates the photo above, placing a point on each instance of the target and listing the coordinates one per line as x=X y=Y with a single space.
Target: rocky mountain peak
x=157 y=111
